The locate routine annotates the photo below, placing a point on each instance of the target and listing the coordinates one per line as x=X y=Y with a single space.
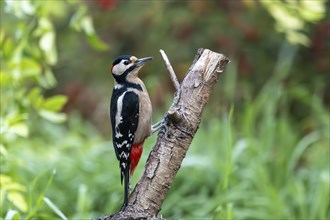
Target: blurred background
x=262 y=150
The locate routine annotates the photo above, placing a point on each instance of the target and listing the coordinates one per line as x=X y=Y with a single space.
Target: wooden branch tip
x=170 y=70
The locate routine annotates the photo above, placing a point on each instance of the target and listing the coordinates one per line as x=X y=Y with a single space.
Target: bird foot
x=157 y=126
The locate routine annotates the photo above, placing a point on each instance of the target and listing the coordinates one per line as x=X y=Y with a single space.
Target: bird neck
x=127 y=84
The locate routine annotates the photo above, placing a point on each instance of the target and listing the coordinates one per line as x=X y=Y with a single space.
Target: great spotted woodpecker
x=130 y=113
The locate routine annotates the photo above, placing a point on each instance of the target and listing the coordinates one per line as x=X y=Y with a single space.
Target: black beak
x=141 y=61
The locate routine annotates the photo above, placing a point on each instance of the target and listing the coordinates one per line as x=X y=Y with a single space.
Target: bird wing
x=124 y=124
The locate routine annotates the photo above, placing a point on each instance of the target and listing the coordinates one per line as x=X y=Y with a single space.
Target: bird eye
x=126 y=62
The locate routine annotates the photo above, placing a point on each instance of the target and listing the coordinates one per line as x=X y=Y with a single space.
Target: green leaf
x=82 y=21
x=18 y=200
x=3 y=150
x=313 y=10
x=52 y=116
x=14 y=118
x=13 y=215
x=86 y=23
x=20 y=129
x=284 y=18
x=54 y=208
x=49 y=77
x=14 y=186
x=296 y=37
x=2 y=36
x=47 y=80
x=97 y=43
x=45 y=25
x=5 y=79
x=47 y=45
x=37 y=104
x=75 y=21
x=47 y=40
x=7 y=47
x=20 y=8
x=34 y=94
x=29 y=67
x=55 y=103
x=4 y=180
x=9 y=185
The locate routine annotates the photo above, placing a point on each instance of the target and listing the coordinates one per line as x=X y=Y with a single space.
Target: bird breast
x=144 y=126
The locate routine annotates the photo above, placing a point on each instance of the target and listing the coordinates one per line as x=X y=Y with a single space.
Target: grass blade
x=54 y=208
x=41 y=196
x=301 y=147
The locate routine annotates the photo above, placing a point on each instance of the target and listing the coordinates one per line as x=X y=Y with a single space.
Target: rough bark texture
x=182 y=121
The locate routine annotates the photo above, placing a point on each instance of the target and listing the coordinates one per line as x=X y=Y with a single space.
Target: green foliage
x=27 y=56
x=28 y=52
x=85 y=183
x=291 y=17
x=82 y=21
x=262 y=150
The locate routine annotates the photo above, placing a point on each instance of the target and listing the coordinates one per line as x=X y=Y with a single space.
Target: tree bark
x=182 y=121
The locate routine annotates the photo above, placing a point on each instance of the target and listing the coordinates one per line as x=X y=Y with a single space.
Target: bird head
x=127 y=65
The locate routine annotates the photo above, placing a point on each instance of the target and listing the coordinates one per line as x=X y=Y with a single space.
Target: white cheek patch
x=117 y=69
x=120 y=68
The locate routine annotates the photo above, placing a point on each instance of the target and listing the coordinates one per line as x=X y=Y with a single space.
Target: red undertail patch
x=136 y=152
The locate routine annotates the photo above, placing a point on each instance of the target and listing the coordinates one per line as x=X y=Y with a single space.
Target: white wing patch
x=118 y=118
x=118 y=134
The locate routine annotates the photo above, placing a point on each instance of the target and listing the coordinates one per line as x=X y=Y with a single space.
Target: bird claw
x=157 y=126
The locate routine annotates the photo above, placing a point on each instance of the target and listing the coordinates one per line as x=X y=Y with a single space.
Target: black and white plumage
x=130 y=114
x=124 y=121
